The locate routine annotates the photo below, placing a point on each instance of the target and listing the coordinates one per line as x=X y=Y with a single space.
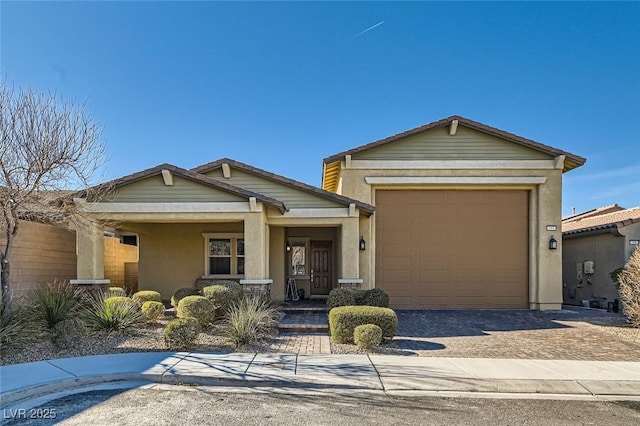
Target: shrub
x=359 y=297
x=222 y=297
x=21 y=324
x=376 y=297
x=145 y=296
x=367 y=336
x=340 y=297
x=182 y=293
x=56 y=302
x=181 y=333
x=250 y=320
x=344 y=319
x=198 y=307
x=111 y=313
x=152 y=310
x=235 y=288
x=115 y=291
x=629 y=288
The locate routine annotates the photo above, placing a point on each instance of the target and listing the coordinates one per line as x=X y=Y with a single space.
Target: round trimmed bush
x=376 y=297
x=340 y=297
x=116 y=291
x=198 y=307
x=222 y=297
x=359 y=297
x=234 y=287
x=123 y=302
x=367 y=336
x=344 y=319
x=152 y=310
x=146 y=296
x=183 y=292
x=180 y=333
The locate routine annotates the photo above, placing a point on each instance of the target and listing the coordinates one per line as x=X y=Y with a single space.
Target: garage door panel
x=466 y=248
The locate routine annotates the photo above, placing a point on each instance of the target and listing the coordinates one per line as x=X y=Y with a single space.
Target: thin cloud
x=368 y=29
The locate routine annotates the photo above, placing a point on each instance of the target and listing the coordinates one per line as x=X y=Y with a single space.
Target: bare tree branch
x=48 y=148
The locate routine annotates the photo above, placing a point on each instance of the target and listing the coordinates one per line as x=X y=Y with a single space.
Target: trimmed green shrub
x=56 y=301
x=340 y=297
x=344 y=319
x=111 y=313
x=376 y=297
x=145 y=296
x=198 y=307
x=222 y=297
x=182 y=293
x=234 y=287
x=359 y=297
x=250 y=320
x=152 y=310
x=181 y=333
x=367 y=336
x=115 y=291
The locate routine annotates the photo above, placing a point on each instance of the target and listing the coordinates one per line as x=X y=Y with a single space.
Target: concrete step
x=305 y=311
x=306 y=322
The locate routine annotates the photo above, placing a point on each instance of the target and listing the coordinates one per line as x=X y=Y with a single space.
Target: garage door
x=453 y=249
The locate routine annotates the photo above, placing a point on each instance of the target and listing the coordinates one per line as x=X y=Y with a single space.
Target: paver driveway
x=567 y=334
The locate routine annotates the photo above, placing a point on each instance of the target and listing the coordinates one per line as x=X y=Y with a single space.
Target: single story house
x=452 y=214
x=595 y=243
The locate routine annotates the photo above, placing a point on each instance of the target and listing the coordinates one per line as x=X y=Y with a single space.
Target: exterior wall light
x=363 y=244
x=288 y=247
x=553 y=244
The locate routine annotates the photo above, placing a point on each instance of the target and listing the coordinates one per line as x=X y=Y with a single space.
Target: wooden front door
x=321 y=268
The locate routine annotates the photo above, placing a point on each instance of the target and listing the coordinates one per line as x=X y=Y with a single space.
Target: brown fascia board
x=579 y=161
x=187 y=174
x=367 y=208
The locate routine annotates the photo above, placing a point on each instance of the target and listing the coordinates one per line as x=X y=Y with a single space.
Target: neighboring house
x=463 y=217
x=595 y=243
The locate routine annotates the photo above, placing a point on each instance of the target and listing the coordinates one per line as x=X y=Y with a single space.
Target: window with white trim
x=224 y=254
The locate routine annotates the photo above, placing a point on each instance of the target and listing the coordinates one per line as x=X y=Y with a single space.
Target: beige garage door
x=453 y=249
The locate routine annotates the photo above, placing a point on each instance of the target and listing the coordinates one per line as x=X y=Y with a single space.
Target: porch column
x=254 y=246
x=349 y=240
x=90 y=254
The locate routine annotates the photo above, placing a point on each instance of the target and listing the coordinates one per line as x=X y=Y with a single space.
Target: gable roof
x=612 y=216
x=186 y=174
x=367 y=208
x=571 y=162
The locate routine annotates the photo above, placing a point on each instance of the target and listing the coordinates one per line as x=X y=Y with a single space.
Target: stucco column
x=90 y=251
x=255 y=246
x=349 y=239
x=549 y=273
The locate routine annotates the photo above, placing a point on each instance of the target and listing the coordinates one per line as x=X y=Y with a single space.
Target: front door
x=321 y=268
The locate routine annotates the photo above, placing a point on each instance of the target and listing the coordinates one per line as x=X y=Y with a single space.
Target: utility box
x=589 y=267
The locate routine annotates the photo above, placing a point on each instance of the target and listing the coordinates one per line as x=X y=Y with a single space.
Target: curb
x=449 y=386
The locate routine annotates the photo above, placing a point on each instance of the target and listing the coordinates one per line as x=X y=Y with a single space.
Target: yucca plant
x=56 y=302
x=250 y=320
x=111 y=314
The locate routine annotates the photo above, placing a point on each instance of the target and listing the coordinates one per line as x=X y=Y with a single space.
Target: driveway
x=572 y=334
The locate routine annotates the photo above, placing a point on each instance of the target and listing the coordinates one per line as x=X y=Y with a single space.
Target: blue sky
x=283 y=85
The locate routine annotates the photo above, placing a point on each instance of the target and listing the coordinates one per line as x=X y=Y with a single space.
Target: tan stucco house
x=595 y=243
x=450 y=214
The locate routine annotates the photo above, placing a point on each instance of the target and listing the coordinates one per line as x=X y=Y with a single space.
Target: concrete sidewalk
x=346 y=372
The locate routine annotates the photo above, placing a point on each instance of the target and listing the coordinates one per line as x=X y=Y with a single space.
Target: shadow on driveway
x=462 y=322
